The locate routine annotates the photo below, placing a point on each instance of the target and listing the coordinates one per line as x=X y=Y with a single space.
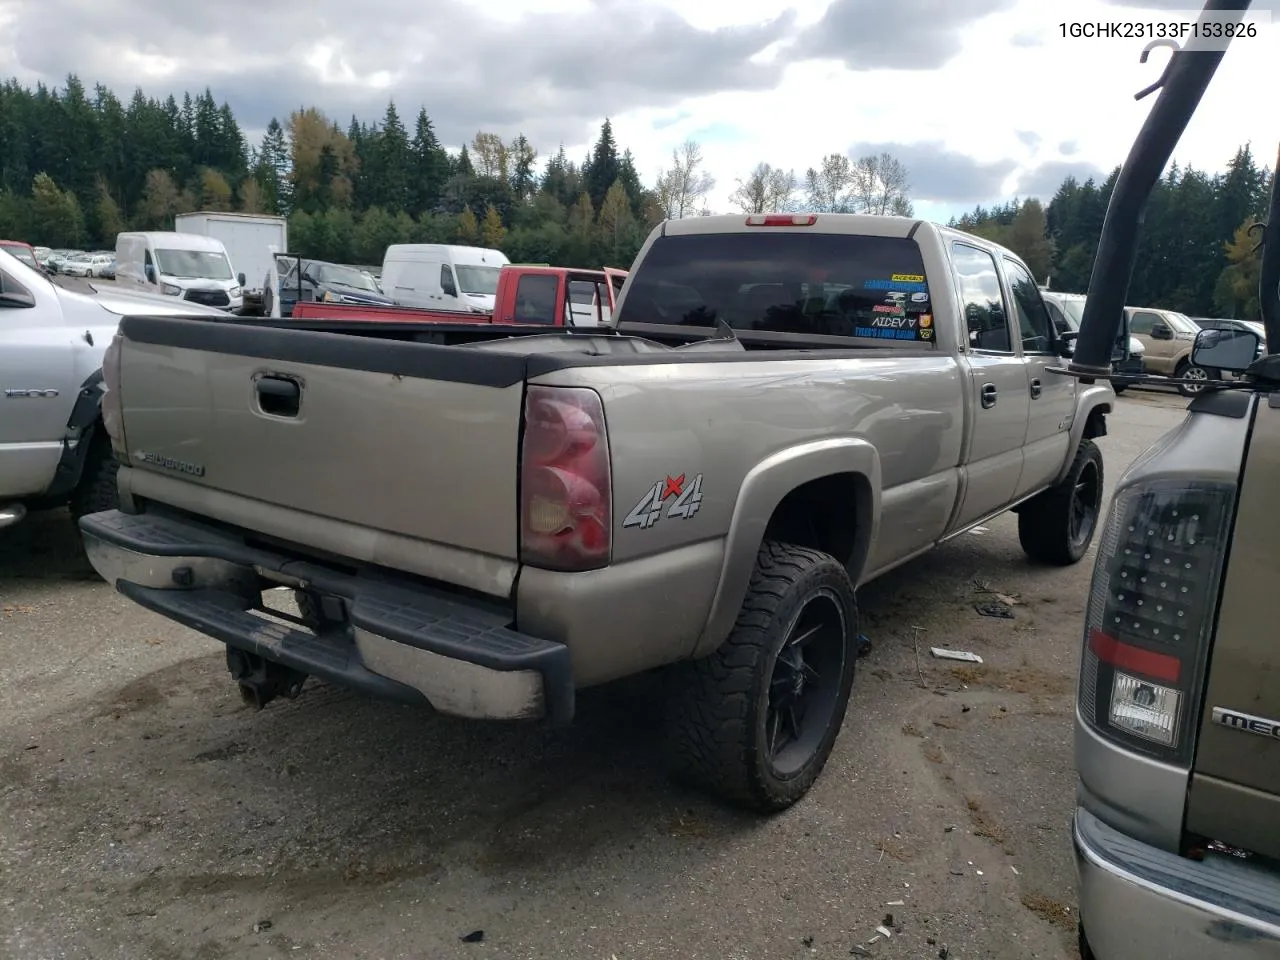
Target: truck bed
x=396 y=450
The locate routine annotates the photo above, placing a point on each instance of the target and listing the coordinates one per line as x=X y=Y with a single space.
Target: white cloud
x=1005 y=99
x=1076 y=95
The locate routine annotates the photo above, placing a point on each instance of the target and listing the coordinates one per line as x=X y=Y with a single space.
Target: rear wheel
x=97 y=490
x=1192 y=378
x=755 y=722
x=1058 y=525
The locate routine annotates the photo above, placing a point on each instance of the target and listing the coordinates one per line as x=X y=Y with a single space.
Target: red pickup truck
x=547 y=296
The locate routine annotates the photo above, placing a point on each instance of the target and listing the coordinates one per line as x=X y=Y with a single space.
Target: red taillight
x=112 y=409
x=566 y=515
x=782 y=220
x=1151 y=613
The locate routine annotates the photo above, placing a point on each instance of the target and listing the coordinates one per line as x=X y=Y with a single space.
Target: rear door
x=1235 y=784
x=1051 y=396
x=997 y=383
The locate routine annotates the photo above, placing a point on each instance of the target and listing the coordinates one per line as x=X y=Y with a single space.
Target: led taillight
x=1151 y=611
x=112 y=409
x=566 y=515
x=782 y=220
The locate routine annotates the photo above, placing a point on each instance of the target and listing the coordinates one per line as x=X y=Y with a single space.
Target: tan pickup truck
x=787 y=407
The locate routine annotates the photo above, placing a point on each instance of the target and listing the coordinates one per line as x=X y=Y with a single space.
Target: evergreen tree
x=601 y=171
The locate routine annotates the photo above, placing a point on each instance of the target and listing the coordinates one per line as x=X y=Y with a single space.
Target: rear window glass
x=808 y=284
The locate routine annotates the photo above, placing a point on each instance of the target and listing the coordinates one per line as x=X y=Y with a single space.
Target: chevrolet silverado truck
x=1177 y=729
x=53 y=449
x=787 y=406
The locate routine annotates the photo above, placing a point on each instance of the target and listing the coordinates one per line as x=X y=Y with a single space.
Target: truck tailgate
x=417 y=439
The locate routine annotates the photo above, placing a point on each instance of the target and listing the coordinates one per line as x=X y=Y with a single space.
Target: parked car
x=1067 y=309
x=1168 y=337
x=791 y=405
x=324 y=282
x=79 y=265
x=23 y=251
x=109 y=271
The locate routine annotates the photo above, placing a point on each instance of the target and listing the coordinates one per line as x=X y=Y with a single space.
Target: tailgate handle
x=279 y=397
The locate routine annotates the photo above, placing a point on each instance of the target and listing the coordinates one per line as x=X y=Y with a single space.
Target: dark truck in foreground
x=1177 y=821
x=787 y=407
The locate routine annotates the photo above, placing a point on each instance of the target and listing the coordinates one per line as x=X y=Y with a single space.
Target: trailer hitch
x=262 y=680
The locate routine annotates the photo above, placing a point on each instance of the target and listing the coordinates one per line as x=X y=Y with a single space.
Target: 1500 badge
x=688 y=498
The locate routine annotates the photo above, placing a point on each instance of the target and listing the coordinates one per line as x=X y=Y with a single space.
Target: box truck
x=250 y=240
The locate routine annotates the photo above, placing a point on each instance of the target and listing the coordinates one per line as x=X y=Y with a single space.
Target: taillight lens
x=566 y=515
x=112 y=409
x=1151 y=613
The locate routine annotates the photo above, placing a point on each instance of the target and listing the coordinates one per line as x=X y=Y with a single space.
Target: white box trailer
x=251 y=240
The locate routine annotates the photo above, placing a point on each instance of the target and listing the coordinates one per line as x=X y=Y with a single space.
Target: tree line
x=76 y=168
x=1196 y=252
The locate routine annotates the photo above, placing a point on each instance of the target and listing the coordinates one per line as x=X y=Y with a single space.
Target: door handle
x=1035 y=389
x=988 y=395
x=279 y=396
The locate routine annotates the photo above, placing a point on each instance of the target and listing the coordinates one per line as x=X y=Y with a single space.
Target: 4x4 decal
x=649 y=510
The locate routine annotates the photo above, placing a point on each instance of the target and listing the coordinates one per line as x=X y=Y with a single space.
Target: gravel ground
x=145 y=812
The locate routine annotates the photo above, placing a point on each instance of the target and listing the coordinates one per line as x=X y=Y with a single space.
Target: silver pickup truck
x=53 y=450
x=787 y=407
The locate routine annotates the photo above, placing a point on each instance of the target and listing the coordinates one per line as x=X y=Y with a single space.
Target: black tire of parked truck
x=1058 y=526
x=96 y=490
x=755 y=722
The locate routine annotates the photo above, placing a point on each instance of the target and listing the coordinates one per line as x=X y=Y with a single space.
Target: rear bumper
x=397 y=640
x=1140 y=901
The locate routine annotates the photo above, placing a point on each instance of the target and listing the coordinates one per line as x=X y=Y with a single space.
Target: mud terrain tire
x=1058 y=526
x=755 y=722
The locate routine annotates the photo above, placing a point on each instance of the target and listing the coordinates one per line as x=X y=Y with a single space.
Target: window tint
x=981 y=299
x=1033 y=319
x=1057 y=316
x=1142 y=323
x=808 y=284
x=446 y=281
x=536 y=299
x=582 y=292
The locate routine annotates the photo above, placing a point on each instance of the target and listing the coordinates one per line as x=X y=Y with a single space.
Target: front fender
x=763 y=488
x=1097 y=398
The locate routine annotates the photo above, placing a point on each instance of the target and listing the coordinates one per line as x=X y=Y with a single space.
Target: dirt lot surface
x=146 y=813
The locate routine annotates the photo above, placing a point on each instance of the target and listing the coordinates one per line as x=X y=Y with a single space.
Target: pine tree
x=430 y=165
x=396 y=162
x=603 y=168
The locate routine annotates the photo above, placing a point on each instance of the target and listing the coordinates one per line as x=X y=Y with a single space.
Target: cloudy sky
x=982 y=99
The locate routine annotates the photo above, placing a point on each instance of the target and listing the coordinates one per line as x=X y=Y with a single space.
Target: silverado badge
x=169 y=463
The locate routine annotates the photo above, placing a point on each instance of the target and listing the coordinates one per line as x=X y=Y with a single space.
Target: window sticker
x=900 y=286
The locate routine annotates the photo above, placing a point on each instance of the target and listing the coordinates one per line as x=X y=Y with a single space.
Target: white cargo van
x=251 y=241
x=185 y=265
x=442 y=277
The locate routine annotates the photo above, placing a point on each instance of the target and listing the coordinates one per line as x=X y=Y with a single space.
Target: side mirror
x=1161 y=332
x=240 y=279
x=1232 y=350
x=1067 y=343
